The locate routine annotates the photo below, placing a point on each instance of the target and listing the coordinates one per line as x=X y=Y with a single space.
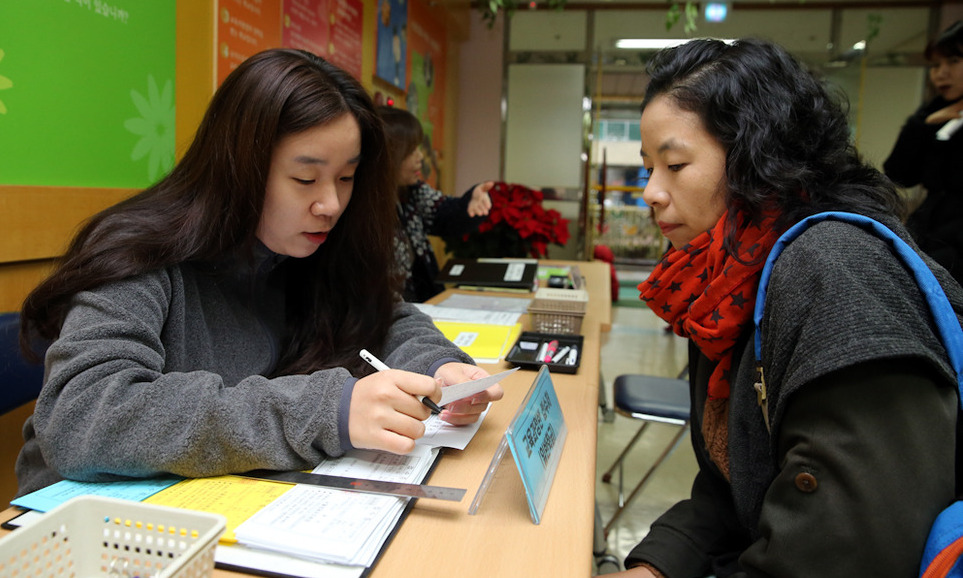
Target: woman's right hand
x=384 y=412
x=481 y=203
x=946 y=113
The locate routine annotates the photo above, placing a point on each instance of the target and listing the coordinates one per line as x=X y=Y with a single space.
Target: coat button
x=806 y=482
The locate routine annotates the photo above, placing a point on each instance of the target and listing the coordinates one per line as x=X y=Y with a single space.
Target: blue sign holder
x=535 y=436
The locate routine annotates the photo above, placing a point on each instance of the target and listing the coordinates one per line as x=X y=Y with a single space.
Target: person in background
x=742 y=142
x=423 y=210
x=212 y=323
x=929 y=152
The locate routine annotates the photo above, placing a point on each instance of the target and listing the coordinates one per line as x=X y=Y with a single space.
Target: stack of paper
x=333 y=525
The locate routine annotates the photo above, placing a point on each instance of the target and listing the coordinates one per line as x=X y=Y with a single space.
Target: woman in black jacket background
x=929 y=152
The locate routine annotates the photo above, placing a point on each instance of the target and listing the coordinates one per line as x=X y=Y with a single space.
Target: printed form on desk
x=346 y=528
x=487 y=302
x=468 y=315
x=314 y=532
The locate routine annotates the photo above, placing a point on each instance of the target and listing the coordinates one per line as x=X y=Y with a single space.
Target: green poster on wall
x=86 y=92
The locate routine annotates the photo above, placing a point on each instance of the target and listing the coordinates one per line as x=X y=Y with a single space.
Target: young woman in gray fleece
x=212 y=323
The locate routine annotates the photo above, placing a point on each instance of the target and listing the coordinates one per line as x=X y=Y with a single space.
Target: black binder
x=496 y=274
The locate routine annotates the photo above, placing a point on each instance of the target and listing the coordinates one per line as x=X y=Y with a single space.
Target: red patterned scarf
x=707 y=295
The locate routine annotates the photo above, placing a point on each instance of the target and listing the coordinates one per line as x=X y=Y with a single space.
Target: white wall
x=479 y=118
x=543 y=145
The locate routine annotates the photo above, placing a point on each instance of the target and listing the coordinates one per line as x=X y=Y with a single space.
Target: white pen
x=558 y=356
x=380 y=366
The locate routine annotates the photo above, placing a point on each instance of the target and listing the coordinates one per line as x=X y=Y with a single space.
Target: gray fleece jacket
x=164 y=373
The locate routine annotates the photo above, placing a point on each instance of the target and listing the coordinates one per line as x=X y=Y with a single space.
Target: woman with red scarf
x=741 y=142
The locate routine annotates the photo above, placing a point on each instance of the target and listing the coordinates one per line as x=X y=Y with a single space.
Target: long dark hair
x=786 y=138
x=339 y=299
x=948 y=43
x=404 y=134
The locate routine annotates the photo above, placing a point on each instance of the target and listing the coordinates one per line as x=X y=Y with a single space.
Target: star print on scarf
x=707 y=295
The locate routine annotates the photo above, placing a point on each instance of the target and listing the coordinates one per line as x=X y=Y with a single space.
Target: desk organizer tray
x=525 y=351
x=93 y=536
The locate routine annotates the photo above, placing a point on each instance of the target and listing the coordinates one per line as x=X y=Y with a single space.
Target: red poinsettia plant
x=517 y=226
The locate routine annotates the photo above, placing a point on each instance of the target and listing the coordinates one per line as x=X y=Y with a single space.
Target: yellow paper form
x=233 y=497
x=483 y=342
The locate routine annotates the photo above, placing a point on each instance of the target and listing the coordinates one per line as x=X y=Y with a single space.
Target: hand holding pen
x=380 y=366
x=386 y=413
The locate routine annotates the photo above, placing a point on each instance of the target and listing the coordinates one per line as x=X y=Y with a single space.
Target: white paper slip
x=440 y=433
x=469 y=388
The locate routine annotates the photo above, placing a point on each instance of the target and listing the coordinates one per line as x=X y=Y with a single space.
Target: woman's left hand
x=480 y=203
x=466 y=411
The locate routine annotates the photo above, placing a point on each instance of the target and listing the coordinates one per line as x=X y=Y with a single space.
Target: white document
x=314 y=531
x=469 y=315
x=486 y=302
x=338 y=526
x=247 y=558
x=440 y=433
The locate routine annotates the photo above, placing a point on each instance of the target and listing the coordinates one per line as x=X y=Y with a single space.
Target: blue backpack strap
x=944 y=546
x=944 y=317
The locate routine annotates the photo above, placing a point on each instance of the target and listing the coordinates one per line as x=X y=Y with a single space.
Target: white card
x=469 y=388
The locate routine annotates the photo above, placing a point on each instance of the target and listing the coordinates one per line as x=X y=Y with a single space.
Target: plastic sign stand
x=535 y=436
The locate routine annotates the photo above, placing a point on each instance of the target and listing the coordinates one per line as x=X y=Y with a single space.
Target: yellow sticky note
x=233 y=497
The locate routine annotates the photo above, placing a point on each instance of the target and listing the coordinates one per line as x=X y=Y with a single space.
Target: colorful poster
x=346 y=35
x=86 y=92
x=306 y=25
x=391 y=58
x=244 y=28
x=425 y=96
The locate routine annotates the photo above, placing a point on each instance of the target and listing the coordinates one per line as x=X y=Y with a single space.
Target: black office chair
x=20 y=380
x=650 y=399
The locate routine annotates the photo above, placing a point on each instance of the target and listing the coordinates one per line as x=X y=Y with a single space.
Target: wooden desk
x=440 y=539
x=500 y=539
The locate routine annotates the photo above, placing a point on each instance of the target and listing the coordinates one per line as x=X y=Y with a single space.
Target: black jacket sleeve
x=696 y=536
x=452 y=216
x=906 y=163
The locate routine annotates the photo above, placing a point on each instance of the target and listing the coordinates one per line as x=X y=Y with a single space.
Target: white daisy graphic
x=5 y=83
x=155 y=127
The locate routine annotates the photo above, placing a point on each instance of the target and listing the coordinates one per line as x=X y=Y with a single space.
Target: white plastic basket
x=93 y=536
x=558 y=310
x=560 y=300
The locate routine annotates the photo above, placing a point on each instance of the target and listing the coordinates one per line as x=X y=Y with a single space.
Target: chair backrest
x=20 y=380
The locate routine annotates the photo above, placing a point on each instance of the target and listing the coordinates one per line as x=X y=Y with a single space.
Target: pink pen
x=550 y=351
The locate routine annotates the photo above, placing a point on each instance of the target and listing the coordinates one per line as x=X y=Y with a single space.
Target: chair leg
x=608 y=414
x=676 y=440
x=607 y=476
x=605 y=563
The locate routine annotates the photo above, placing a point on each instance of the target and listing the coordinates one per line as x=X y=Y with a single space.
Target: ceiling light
x=716 y=11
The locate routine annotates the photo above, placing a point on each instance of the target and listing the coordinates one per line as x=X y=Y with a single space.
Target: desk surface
x=440 y=539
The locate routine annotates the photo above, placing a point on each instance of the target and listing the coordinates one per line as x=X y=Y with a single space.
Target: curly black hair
x=787 y=140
